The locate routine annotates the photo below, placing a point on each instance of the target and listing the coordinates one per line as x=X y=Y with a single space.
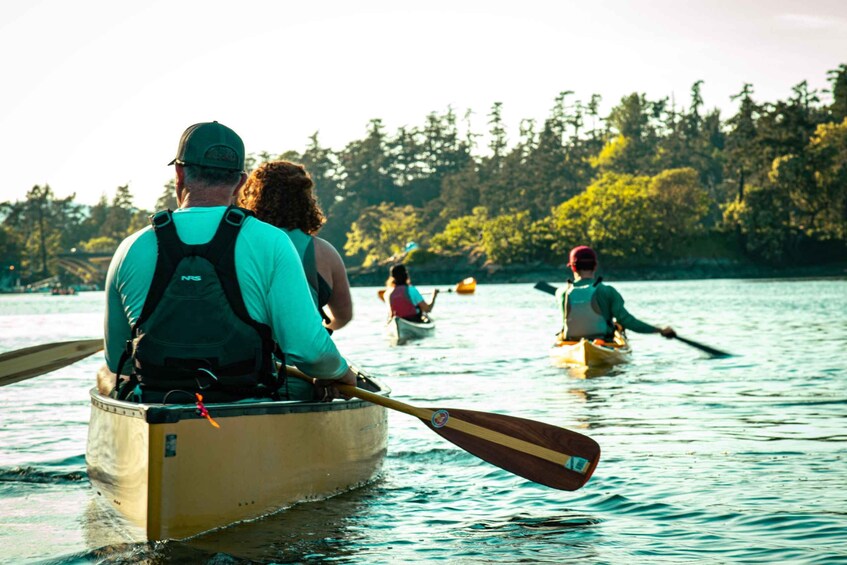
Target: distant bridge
x=89 y=267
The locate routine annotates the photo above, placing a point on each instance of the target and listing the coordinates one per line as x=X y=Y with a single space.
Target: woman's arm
x=420 y=302
x=331 y=268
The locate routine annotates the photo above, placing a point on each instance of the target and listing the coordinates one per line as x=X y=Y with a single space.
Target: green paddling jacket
x=610 y=305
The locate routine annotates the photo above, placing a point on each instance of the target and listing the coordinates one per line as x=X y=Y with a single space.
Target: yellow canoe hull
x=171 y=473
x=587 y=353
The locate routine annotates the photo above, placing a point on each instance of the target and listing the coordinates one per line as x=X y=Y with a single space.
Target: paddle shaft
x=381 y=293
x=550 y=289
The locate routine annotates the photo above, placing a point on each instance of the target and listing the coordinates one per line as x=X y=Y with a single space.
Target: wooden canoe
x=592 y=353
x=467 y=286
x=167 y=470
x=400 y=331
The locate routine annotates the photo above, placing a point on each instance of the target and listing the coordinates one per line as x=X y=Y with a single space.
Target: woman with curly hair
x=280 y=193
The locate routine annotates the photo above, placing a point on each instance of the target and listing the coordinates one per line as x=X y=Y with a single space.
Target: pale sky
x=96 y=94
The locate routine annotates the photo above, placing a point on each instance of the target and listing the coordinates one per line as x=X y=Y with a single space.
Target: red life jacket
x=401 y=304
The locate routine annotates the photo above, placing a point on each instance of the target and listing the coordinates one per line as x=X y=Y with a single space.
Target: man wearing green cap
x=199 y=300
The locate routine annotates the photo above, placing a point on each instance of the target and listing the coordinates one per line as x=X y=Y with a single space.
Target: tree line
x=645 y=183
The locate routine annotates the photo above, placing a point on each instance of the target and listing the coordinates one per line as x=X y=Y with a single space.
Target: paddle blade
x=30 y=362
x=545 y=287
x=710 y=350
x=540 y=452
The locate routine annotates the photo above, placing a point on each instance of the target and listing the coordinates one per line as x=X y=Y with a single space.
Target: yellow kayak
x=593 y=353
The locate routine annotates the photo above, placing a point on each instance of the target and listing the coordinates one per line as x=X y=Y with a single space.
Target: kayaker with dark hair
x=403 y=299
x=196 y=301
x=281 y=194
x=590 y=309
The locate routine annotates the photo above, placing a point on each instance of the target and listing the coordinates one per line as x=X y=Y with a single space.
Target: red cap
x=583 y=255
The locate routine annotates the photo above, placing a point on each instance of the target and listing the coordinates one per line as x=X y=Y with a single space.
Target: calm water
x=733 y=460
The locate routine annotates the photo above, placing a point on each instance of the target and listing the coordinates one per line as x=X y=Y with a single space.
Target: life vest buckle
x=235 y=216
x=161 y=219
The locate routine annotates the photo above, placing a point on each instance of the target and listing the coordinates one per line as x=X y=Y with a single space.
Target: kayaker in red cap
x=590 y=309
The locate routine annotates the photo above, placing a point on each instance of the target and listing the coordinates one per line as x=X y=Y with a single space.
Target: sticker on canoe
x=577 y=464
x=439 y=418
x=170 y=445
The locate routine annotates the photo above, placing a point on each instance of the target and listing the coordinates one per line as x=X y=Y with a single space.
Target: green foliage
x=100 y=244
x=613 y=155
x=828 y=148
x=462 y=234
x=119 y=215
x=11 y=247
x=633 y=218
x=459 y=193
x=381 y=232
x=838 y=79
x=763 y=222
x=419 y=257
x=636 y=121
x=167 y=200
x=612 y=215
x=504 y=239
x=815 y=183
x=679 y=204
x=508 y=238
x=42 y=222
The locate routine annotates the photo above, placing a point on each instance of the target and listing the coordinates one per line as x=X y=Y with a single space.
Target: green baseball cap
x=197 y=141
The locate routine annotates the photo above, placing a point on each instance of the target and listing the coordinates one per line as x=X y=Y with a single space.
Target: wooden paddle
x=540 y=452
x=550 y=289
x=29 y=362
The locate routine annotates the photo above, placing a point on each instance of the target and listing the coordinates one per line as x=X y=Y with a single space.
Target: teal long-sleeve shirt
x=611 y=306
x=270 y=276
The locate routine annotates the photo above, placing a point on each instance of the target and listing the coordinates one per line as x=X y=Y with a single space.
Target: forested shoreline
x=649 y=185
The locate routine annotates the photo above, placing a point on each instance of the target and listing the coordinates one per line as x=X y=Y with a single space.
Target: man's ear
x=180 y=185
x=238 y=188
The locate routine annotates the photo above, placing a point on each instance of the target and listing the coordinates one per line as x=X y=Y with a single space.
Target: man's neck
x=201 y=202
x=583 y=275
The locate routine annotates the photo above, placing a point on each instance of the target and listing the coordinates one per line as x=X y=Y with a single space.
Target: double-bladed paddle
x=543 y=453
x=550 y=289
x=381 y=293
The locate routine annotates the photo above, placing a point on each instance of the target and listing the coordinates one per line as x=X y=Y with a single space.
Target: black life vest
x=194 y=332
x=318 y=284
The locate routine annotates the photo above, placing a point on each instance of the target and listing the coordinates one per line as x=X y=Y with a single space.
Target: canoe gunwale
x=172 y=413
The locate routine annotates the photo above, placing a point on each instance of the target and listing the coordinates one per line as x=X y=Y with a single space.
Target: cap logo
x=210 y=144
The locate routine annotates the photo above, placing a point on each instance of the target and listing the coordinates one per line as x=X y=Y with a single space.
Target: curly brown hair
x=280 y=193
